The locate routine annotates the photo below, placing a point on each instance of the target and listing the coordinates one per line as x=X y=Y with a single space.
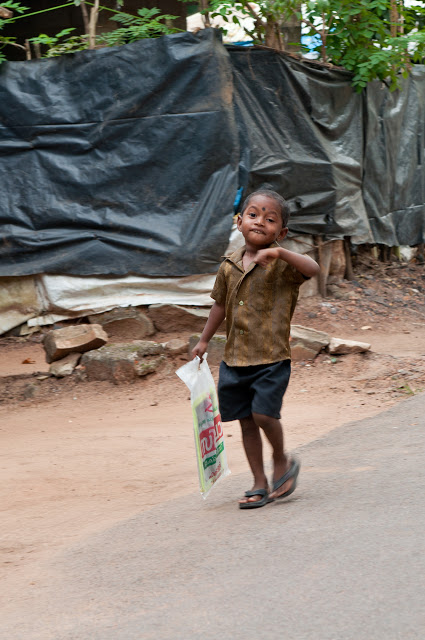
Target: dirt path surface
x=78 y=457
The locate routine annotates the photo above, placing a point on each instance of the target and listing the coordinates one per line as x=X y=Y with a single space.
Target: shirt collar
x=236 y=256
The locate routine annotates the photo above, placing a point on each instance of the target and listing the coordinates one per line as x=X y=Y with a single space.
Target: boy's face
x=261 y=222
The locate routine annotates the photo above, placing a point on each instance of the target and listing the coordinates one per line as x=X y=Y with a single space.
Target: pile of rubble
x=102 y=350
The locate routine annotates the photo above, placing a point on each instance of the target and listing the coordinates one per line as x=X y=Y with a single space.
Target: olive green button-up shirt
x=259 y=306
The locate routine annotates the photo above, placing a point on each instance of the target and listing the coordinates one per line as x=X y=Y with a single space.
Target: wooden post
x=37 y=49
x=28 y=49
x=349 y=273
x=322 y=274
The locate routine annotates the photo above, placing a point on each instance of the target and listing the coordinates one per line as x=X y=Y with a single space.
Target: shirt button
x=241 y=302
x=241 y=332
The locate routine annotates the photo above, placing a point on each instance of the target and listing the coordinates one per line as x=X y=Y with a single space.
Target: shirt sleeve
x=293 y=275
x=219 y=291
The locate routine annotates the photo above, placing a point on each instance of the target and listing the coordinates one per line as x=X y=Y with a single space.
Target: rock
x=176 y=347
x=299 y=353
x=306 y=343
x=30 y=390
x=215 y=348
x=66 y=366
x=124 y=324
x=123 y=363
x=338 y=346
x=147 y=348
x=172 y=317
x=75 y=338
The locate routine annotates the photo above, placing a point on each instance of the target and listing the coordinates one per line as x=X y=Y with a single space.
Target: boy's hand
x=199 y=349
x=265 y=256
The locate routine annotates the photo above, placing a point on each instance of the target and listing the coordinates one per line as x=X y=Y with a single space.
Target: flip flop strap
x=257 y=492
x=288 y=475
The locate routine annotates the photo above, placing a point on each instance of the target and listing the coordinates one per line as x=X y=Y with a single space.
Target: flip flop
x=292 y=472
x=259 y=503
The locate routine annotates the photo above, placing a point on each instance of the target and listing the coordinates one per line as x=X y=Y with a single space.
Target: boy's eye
x=271 y=220
x=251 y=214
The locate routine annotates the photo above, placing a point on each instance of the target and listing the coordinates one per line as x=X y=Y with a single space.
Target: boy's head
x=263 y=218
x=280 y=202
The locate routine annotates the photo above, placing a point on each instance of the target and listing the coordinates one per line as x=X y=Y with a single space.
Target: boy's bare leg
x=253 y=446
x=272 y=427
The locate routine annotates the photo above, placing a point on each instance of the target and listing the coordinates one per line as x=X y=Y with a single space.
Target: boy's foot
x=257 y=497
x=286 y=484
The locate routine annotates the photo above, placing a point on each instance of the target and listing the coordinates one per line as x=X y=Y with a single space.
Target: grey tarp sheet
x=127 y=160
x=394 y=171
x=122 y=160
x=301 y=131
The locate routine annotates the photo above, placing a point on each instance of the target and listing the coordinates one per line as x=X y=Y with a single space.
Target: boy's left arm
x=303 y=263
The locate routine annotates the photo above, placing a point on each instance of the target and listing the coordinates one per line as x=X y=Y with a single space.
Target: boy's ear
x=239 y=221
x=283 y=233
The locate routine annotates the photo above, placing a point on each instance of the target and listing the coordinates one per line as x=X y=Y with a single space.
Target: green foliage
x=355 y=34
x=147 y=24
x=60 y=43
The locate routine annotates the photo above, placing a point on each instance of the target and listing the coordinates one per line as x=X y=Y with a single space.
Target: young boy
x=256 y=290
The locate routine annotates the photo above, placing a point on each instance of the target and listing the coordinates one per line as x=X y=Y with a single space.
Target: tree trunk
x=273 y=37
x=291 y=33
x=394 y=18
x=203 y=5
x=94 y=14
x=85 y=15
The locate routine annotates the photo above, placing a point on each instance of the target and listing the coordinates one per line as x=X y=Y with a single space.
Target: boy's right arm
x=216 y=317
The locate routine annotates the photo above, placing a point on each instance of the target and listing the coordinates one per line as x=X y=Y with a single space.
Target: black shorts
x=256 y=389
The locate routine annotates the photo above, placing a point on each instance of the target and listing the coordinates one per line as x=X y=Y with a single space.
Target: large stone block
x=172 y=317
x=176 y=346
x=215 y=348
x=123 y=363
x=75 y=338
x=338 y=346
x=65 y=366
x=306 y=343
x=124 y=324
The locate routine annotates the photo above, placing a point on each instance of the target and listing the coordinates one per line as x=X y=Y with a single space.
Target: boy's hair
x=283 y=205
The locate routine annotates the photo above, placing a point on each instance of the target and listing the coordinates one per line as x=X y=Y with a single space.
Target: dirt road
x=88 y=456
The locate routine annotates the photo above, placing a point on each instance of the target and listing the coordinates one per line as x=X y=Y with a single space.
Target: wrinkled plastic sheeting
x=19 y=301
x=301 y=133
x=117 y=161
x=394 y=176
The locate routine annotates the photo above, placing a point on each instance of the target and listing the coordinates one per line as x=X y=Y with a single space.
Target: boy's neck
x=252 y=250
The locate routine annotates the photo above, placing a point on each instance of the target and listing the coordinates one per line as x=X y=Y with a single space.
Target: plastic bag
x=209 y=438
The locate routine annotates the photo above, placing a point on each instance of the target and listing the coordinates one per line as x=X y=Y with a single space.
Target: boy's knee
x=265 y=421
x=248 y=424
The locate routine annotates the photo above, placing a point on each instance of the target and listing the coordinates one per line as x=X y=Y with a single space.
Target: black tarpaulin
x=128 y=159
x=394 y=172
x=301 y=132
x=121 y=160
